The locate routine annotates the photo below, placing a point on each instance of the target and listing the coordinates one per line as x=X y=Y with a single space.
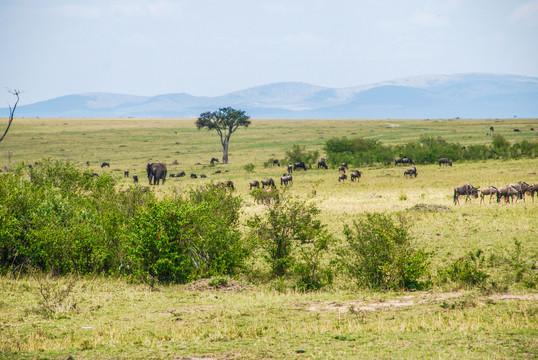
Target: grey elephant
x=156 y=171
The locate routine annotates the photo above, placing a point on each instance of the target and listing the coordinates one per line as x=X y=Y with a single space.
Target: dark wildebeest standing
x=135 y=178
x=508 y=192
x=286 y=179
x=411 y=172
x=342 y=177
x=268 y=182
x=532 y=189
x=254 y=184
x=491 y=128
x=344 y=165
x=276 y=162
x=356 y=174
x=194 y=176
x=403 y=161
x=224 y=184
x=290 y=168
x=468 y=190
x=105 y=164
x=322 y=164
x=180 y=174
x=126 y=173
x=445 y=161
x=492 y=190
x=342 y=169
x=156 y=172
x=299 y=165
x=213 y=161
x=522 y=187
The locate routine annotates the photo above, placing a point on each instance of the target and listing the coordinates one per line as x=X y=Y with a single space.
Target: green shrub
x=466 y=270
x=249 y=167
x=378 y=254
x=299 y=153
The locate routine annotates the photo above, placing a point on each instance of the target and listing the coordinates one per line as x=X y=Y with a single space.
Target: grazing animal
x=156 y=172
x=254 y=184
x=299 y=165
x=322 y=164
x=468 y=190
x=532 y=189
x=403 y=161
x=88 y=163
x=532 y=129
x=290 y=168
x=342 y=177
x=224 y=184
x=126 y=173
x=509 y=193
x=94 y=175
x=268 y=182
x=213 y=161
x=356 y=174
x=135 y=178
x=517 y=130
x=491 y=128
x=265 y=196
x=194 y=176
x=411 y=172
x=342 y=169
x=203 y=176
x=522 y=187
x=445 y=161
x=492 y=190
x=181 y=174
x=286 y=179
x=105 y=164
x=276 y=162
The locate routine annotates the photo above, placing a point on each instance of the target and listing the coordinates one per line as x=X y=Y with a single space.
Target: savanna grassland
x=250 y=318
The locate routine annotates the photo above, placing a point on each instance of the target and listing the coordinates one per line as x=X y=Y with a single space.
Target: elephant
x=156 y=171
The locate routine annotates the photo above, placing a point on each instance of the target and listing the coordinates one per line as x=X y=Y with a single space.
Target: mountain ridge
x=472 y=95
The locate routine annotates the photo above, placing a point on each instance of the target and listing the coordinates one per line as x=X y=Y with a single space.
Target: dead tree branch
x=11 y=112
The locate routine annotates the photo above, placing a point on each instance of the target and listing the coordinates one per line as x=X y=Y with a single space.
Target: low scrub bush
x=467 y=271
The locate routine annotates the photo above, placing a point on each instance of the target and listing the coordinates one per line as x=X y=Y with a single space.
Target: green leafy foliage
x=379 y=255
x=299 y=153
x=467 y=270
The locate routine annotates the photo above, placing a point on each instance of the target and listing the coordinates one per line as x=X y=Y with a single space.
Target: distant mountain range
x=431 y=96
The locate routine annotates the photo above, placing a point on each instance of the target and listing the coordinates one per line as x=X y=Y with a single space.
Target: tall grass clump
x=378 y=254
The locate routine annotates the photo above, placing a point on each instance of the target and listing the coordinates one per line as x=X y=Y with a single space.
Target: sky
x=213 y=47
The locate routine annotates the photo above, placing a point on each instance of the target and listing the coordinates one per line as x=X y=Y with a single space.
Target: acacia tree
x=11 y=112
x=225 y=121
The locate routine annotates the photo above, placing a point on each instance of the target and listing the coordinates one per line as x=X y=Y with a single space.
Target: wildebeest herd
x=510 y=193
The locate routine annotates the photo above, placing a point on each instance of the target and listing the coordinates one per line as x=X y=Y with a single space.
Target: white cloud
x=528 y=10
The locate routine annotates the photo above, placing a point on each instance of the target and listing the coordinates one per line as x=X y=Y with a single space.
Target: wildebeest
x=299 y=165
x=517 y=130
x=88 y=163
x=290 y=168
x=126 y=173
x=180 y=174
x=342 y=177
x=254 y=184
x=224 y=184
x=508 y=192
x=344 y=165
x=322 y=163
x=135 y=178
x=203 y=176
x=286 y=179
x=213 y=161
x=445 y=161
x=105 y=164
x=411 y=172
x=522 y=187
x=532 y=189
x=468 y=190
x=276 y=162
x=342 y=169
x=491 y=128
x=268 y=182
x=156 y=172
x=194 y=176
x=403 y=161
x=492 y=190
x=356 y=174
x=265 y=195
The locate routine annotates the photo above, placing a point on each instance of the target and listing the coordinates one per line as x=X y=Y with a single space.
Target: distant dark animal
x=254 y=184
x=265 y=196
x=342 y=177
x=532 y=189
x=203 y=176
x=87 y=163
x=344 y=165
x=290 y=168
x=224 y=184
x=194 y=176
x=156 y=172
x=491 y=128
x=509 y=193
x=105 y=164
x=411 y=172
x=492 y=190
x=322 y=164
x=213 y=161
x=532 y=129
x=268 y=182
x=126 y=173
x=299 y=165
x=342 y=169
x=445 y=161
x=517 y=130
x=403 y=161
x=468 y=190
x=522 y=187
x=172 y=175
x=286 y=179
x=94 y=175
x=180 y=174
x=276 y=162
x=135 y=178
x=356 y=174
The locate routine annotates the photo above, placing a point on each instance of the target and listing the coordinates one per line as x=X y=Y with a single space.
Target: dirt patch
x=392 y=125
x=212 y=284
x=429 y=208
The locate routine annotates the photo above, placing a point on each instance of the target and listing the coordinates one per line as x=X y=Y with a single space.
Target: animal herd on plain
x=157 y=172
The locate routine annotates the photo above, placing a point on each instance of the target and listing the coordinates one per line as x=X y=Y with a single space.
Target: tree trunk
x=225 y=152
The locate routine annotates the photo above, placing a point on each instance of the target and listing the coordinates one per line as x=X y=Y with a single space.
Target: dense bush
x=299 y=153
x=357 y=151
x=379 y=255
x=467 y=271
x=181 y=239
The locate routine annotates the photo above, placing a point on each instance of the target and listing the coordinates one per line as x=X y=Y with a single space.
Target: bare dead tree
x=11 y=112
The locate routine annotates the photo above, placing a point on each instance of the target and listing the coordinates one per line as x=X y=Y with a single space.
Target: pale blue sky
x=211 y=47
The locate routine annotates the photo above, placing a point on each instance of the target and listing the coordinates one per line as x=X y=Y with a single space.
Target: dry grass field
x=103 y=318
